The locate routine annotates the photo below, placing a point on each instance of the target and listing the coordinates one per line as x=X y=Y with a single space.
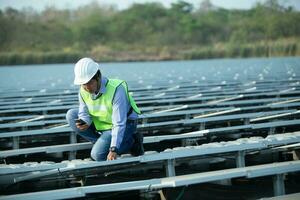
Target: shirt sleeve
x=119 y=116
x=83 y=112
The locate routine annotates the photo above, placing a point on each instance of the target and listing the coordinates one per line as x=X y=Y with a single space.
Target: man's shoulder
x=115 y=82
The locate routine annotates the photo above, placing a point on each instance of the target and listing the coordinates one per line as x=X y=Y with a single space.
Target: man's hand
x=82 y=127
x=111 y=155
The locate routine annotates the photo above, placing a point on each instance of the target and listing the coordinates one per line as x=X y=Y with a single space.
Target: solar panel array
x=195 y=132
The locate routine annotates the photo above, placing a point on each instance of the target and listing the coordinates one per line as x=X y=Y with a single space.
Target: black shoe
x=137 y=148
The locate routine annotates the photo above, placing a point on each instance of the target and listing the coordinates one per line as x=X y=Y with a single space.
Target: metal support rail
x=168 y=182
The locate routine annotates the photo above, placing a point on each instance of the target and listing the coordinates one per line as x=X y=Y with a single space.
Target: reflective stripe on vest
x=100 y=109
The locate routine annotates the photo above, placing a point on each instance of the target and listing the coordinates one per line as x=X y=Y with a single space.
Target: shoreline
x=145 y=60
x=285 y=48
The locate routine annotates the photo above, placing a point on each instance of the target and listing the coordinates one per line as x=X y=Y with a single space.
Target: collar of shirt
x=102 y=88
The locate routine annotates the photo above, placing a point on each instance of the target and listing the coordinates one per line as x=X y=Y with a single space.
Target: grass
x=283 y=47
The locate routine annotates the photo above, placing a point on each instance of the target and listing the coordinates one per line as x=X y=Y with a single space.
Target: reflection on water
x=149 y=74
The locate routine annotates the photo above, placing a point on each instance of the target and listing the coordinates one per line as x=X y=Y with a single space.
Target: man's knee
x=71 y=114
x=98 y=156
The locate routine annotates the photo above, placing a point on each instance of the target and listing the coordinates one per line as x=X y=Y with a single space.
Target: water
x=148 y=74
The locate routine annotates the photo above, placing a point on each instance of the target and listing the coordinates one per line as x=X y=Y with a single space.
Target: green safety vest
x=100 y=109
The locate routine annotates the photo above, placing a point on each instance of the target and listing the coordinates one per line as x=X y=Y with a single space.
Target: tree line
x=147 y=31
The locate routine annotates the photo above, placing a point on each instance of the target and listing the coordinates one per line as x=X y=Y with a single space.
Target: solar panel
x=192 y=120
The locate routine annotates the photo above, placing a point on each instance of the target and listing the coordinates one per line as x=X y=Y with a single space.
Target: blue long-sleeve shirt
x=120 y=108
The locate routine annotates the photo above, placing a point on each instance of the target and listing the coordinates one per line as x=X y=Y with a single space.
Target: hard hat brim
x=80 y=81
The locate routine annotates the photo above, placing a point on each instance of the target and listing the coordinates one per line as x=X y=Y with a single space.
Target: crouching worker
x=107 y=114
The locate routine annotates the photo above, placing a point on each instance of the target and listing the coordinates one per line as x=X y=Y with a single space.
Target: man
x=107 y=114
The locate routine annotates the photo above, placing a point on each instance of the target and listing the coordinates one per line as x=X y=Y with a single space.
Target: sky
x=40 y=5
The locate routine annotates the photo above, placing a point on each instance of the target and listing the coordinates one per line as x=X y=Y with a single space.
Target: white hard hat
x=84 y=70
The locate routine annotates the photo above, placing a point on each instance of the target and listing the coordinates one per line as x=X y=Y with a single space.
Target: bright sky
x=123 y=4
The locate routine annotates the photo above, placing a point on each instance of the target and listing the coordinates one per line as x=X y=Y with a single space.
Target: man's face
x=91 y=86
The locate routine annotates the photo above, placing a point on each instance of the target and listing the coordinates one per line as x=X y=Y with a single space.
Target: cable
x=63 y=176
x=181 y=193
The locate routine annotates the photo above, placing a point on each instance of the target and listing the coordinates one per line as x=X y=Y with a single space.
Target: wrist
x=113 y=149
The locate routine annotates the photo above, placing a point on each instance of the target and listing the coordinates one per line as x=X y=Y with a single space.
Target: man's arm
x=119 y=117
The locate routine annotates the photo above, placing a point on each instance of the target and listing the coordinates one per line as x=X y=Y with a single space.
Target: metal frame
x=169 y=182
x=169 y=156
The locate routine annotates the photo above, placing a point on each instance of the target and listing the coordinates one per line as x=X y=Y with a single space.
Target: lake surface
x=148 y=74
